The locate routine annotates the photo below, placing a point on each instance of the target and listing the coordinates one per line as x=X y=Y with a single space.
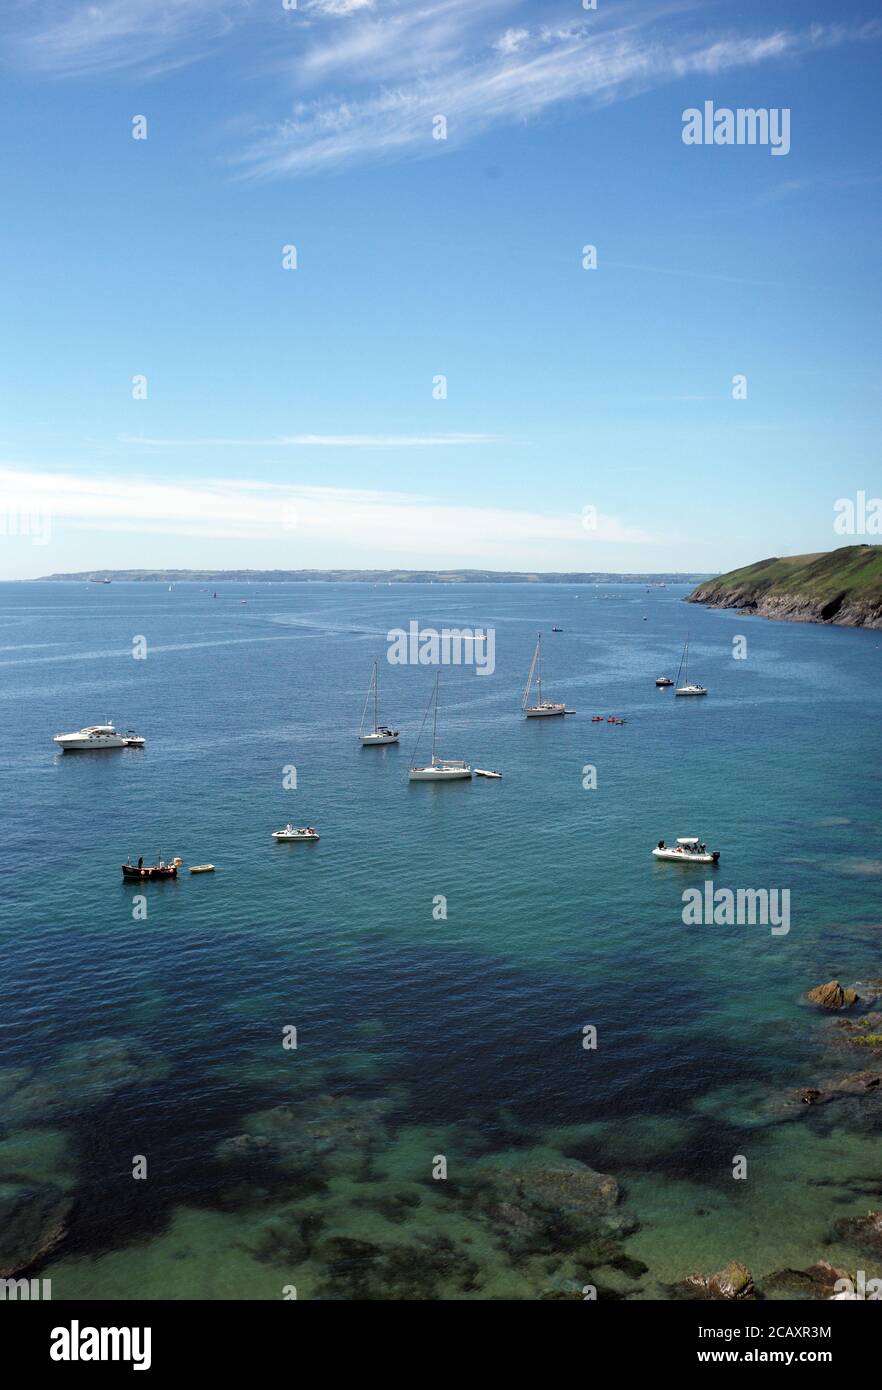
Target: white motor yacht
x=96 y=736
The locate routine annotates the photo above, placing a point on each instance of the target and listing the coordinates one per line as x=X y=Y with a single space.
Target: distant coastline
x=344 y=576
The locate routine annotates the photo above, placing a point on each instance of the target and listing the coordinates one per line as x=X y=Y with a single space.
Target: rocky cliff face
x=841 y=588
x=791 y=608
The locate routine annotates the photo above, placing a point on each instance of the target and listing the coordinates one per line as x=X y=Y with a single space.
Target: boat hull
x=544 y=711
x=439 y=774
x=373 y=740
x=687 y=690
x=72 y=743
x=131 y=873
x=676 y=856
x=281 y=838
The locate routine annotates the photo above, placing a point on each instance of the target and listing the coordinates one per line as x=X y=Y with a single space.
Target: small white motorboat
x=486 y=772
x=688 y=850
x=201 y=868
x=663 y=680
x=98 y=736
x=293 y=833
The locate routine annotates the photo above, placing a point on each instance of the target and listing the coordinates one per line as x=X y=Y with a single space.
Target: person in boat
x=141 y=862
x=662 y=845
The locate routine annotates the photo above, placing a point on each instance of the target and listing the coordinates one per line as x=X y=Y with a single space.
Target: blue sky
x=290 y=418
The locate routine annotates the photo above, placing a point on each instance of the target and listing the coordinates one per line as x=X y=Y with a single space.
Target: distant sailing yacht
x=439 y=769
x=381 y=733
x=543 y=709
x=687 y=688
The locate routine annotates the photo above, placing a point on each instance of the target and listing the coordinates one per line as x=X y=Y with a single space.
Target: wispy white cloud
x=336 y=9
x=512 y=40
x=340 y=519
x=381 y=70
x=326 y=441
x=435 y=60
x=101 y=36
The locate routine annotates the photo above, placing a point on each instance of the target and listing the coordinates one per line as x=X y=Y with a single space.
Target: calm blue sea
x=418 y=1036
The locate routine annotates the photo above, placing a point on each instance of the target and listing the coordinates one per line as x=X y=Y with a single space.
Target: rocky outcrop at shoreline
x=842 y=588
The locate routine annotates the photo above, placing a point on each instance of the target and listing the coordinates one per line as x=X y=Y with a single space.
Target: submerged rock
x=832 y=996
x=82 y=1075
x=818 y=1281
x=865 y=1231
x=540 y=1203
x=857 y=1083
x=321 y=1135
x=735 y=1281
x=32 y=1222
x=242 y=1146
x=425 y=1270
x=863 y=1032
x=568 y=1187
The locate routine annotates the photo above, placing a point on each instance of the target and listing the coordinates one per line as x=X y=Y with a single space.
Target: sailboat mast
x=539 y=667
x=529 y=685
x=684 y=659
x=376 y=700
x=435 y=718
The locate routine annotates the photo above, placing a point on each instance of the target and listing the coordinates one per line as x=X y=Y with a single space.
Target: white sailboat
x=380 y=733
x=439 y=769
x=543 y=709
x=688 y=687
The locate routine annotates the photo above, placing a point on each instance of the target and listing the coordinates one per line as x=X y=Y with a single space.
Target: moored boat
x=688 y=850
x=380 y=733
x=439 y=769
x=295 y=833
x=97 y=736
x=688 y=687
x=542 y=709
x=142 y=872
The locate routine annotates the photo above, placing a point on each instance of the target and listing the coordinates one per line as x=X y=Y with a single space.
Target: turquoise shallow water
x=418 y=1037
